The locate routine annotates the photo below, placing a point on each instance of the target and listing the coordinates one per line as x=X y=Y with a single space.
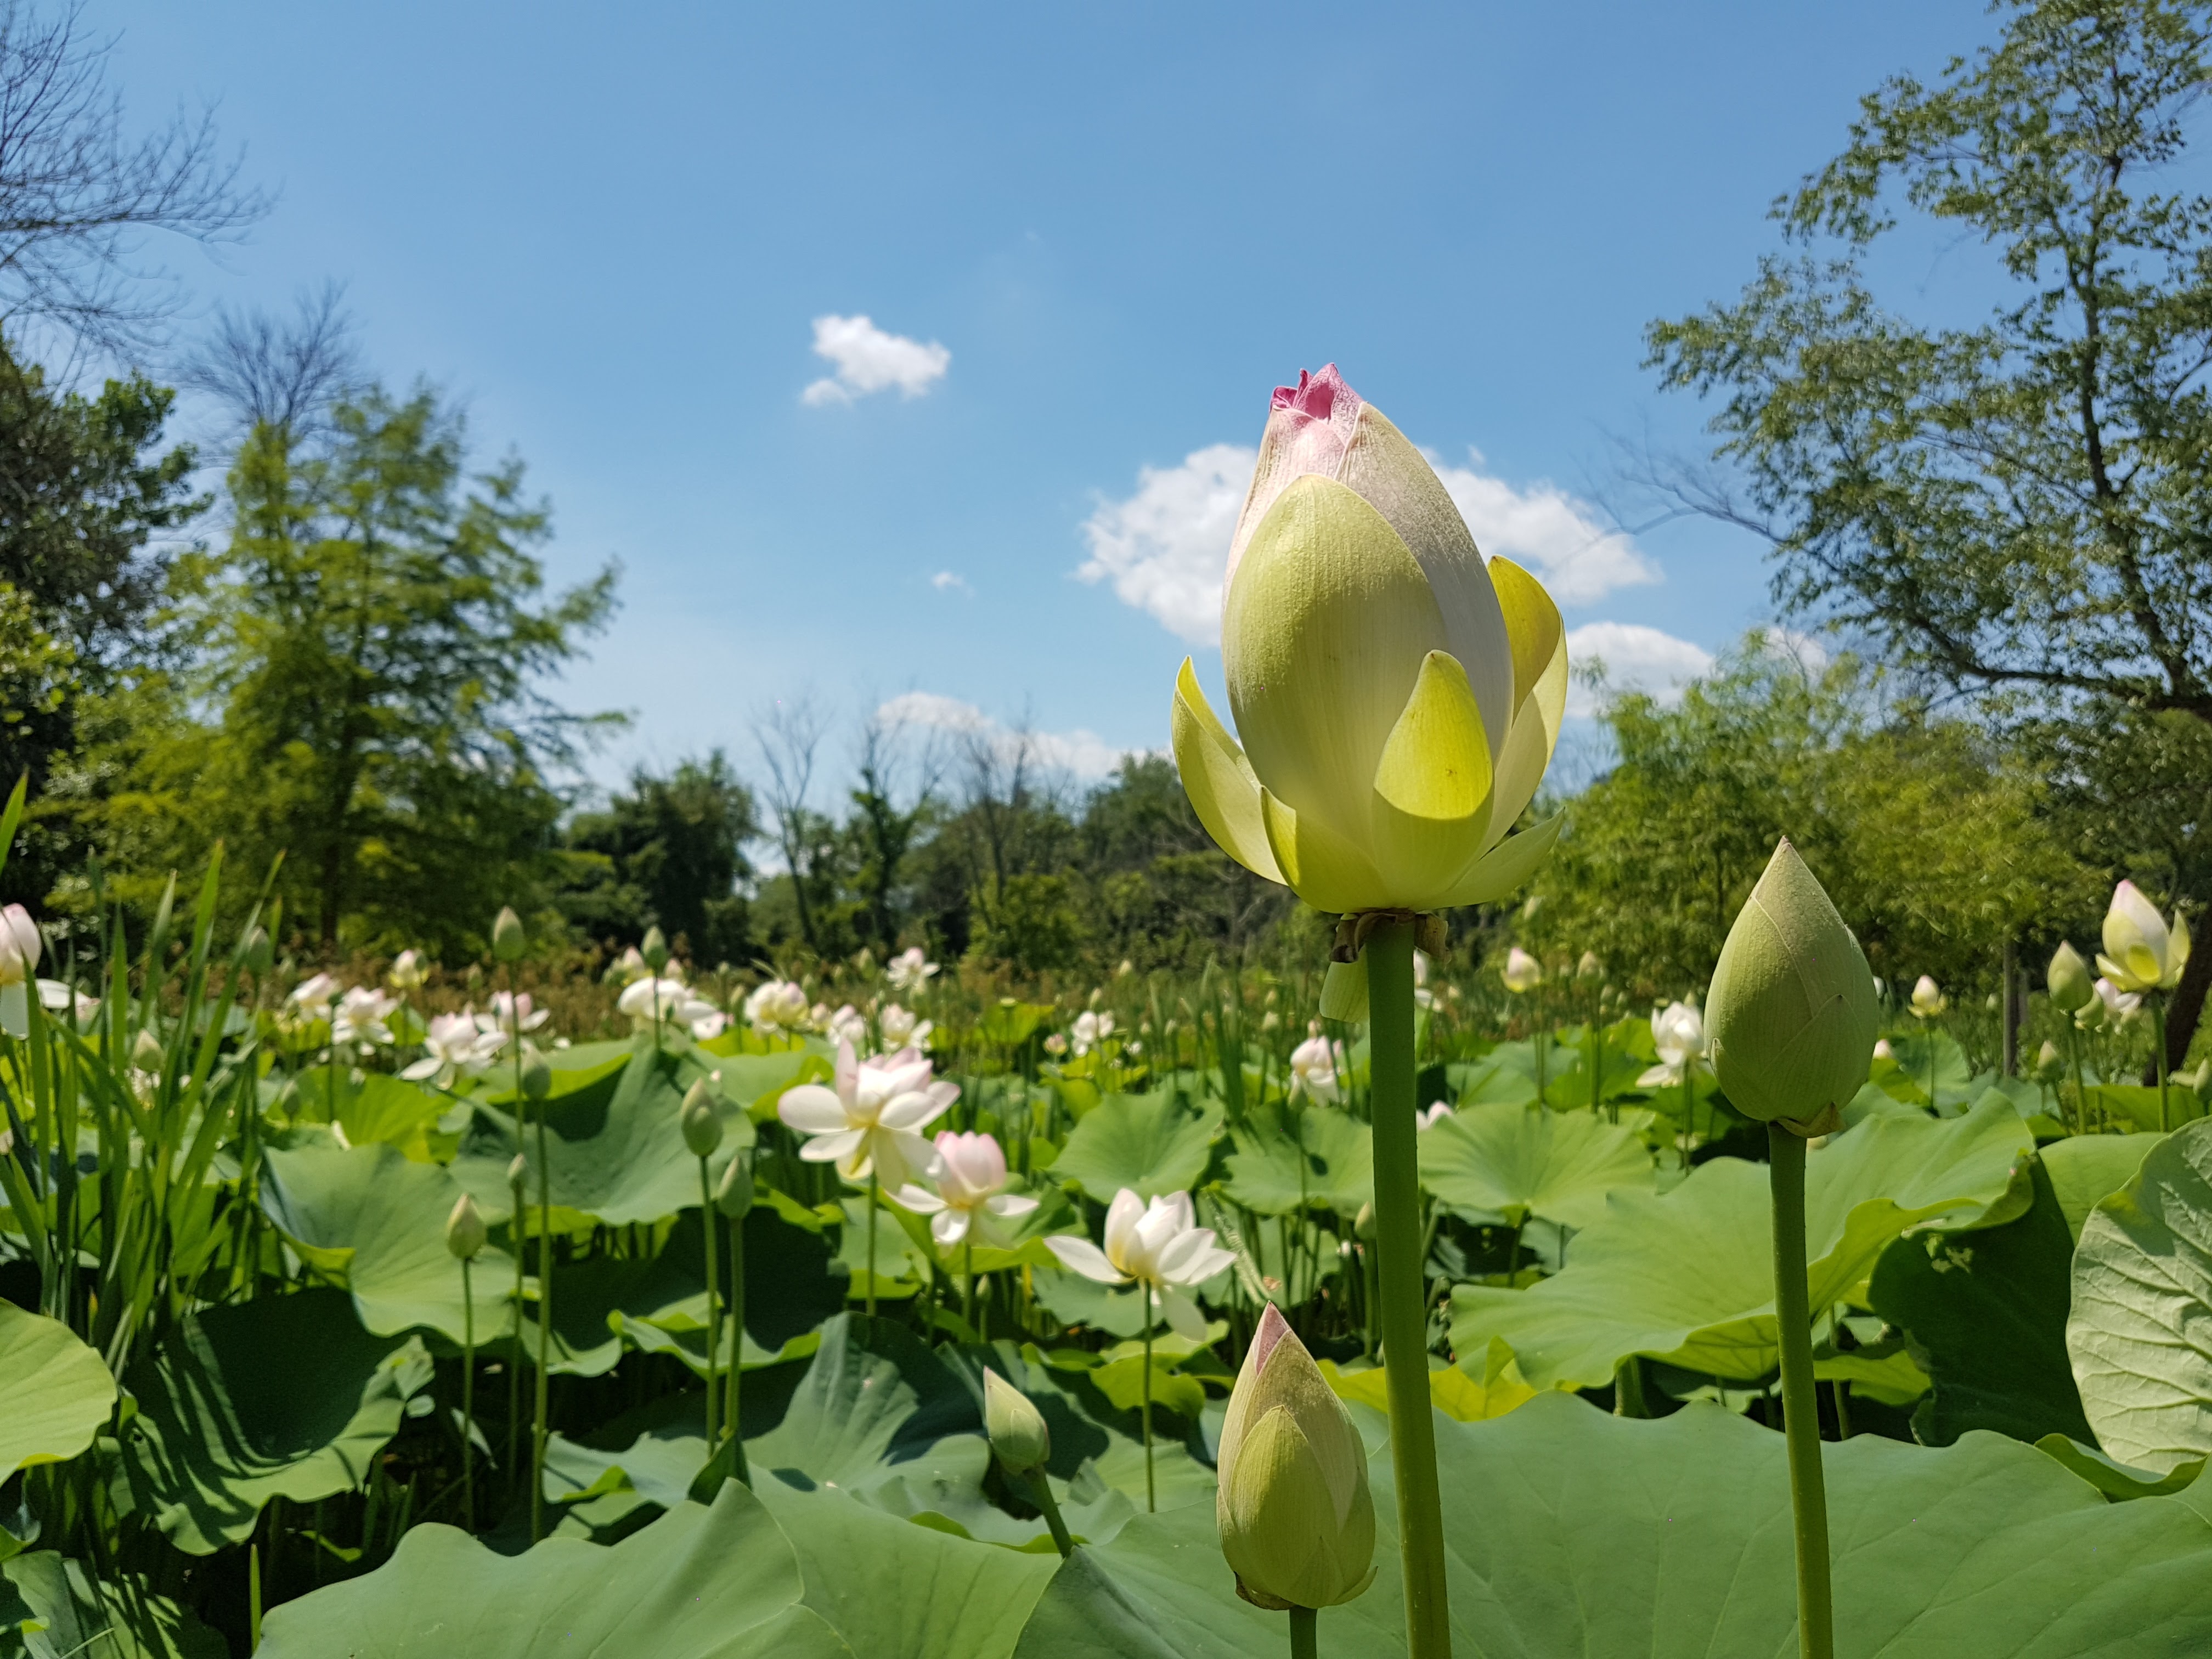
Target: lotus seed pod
x=146 y=1051
x=465 y=1229
x=1298 y=1523
x=655 y=949
x=1019 y=1439
x=508 y=939
x=733 y=1196
x=255 y=953
x=702 y=1129
x=537 y=1075
x=2068 y=979
x=1791 y=1012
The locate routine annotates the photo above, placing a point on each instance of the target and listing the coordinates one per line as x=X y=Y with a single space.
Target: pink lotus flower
x=971 y=1189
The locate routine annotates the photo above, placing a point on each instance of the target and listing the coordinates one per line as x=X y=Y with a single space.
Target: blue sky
x=1087 y=241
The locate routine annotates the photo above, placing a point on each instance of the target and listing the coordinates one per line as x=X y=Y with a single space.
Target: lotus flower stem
x=514 y=1360
x=713 y=1296
x=2158 y=1048
x=537 y=1432
x=737 y=1231
x=1305 y=1626
x=1041 y=1484
x=2080 y=1088
x=874 y=1181
x=1151 y=1497
x=967 y=1270
x=468 y=1399
x=1801 y=1417
x=1404 y=1301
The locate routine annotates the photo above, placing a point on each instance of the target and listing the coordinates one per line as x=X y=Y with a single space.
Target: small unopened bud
x=1363 y=1224
x=2049 y=1062
x=1019 y=1439
x=1589 y=967
x=734 y=1195
x=655 y=949
x=465 y=1229
x=508 y=939
x=537 y=1075
x=255 y=953
x=518 y=1172
x=702 y=1129
x=146 y=1051
x=2068 y=979
x=1297 y=1523
x=1791 y=1012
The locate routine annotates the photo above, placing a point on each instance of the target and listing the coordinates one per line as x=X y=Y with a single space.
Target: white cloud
x=1548 y=532
x=1636 y=659
x=1084 y=754
x=869 y=360
x=947 y=581
x=1804 y=649
x=1164 y=547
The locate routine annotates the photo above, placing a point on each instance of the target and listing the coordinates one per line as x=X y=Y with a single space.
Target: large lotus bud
x=655 y=949
x=1019 y=1439
x=1523 y=973
x=1792 y=1014
x=1398 y=699
x=2141 y=952
x=465 y=1229
x=1297 y=1523
x=1589 y=967
x=1928 y=998
x=508 y=941
x=702 y=1128
x=2068 y=979
x=733 y=1194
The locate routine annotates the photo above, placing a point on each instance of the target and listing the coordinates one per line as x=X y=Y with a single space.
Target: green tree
x=667 y=853
x=371 y=642
x=2015 y=505
x=1933 y=843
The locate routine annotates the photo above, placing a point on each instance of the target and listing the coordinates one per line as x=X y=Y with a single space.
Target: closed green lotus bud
x=256 y=955
x=537 y=1075
x=1298 y=1523
x=508 y=939
x=2049 y=1062
x=733 y=1197
x=1019 y=1439
x=465 y=1229
x=2068 y=979
x=146 y=1051
x=1791 y=1013
x=702 y=1129
x=1589 y=967
x=518 y=1172
x=1363 y=1224
x=655 y=949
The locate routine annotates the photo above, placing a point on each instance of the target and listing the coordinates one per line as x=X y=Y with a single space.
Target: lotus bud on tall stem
x=464 y=1237
x=1023 y=1444
x=1792 y=1014
x=702 y=1135
x=734 y=1199
x=518 y=1172
x=537 y=1084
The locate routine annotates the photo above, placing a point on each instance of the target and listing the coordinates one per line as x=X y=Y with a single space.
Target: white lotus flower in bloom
x=316 y=992
x=408 y=972
x=1523 y=973
x=847 y=1025
x=2141 y=952
x=1678 y=1032
x=671 y=1002
x=909 y=971
x=870 y=1121
x=509 y=1012
x=1928 y=998
x=1431 y=1116
x=457 y=1046
x=1055 y=1045
x=1090 y=1030
x=971 y=1189
x=21 y=946
x=1157 y=1245
x=776 y=1005
x=904 y=1028
x=2113 y=1005
x=1315 y=1064
x=359 y=1018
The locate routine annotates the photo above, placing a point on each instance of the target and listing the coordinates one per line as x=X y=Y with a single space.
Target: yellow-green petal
x=1343 y=991
x=1218 y=780
x=1432 y=806
x=1508 y=865
x=1281 y=1534
x=1532 y=623
x=1318 y=865
x=1328 y=620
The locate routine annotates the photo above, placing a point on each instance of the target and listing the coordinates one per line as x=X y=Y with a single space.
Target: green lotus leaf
x=2086 y=1169
x=50 y=1607
x=1687 y=1277
x=281 y=1396
x=372 y=1108
x=700 y=1583
x=373 y=1221
x=1320 y=1158
x=56 y=1390
x=1154 y=1142
x=1509 y=1163
x=1952 y=1080
x=1571 y=1531
x=2141 y=1331
x=1986 y=1313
